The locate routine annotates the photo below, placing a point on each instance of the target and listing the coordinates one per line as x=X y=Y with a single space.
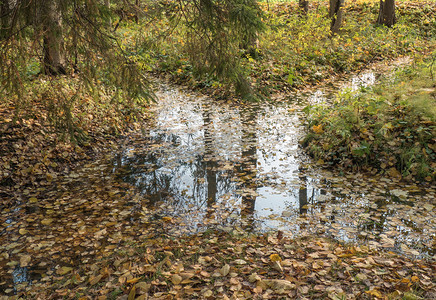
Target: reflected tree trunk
x=386 y=14
x=211 y=173
x=336 y=15
x=248 y=169
x=302 y=195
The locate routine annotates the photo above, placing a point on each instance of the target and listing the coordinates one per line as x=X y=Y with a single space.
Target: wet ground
x=203 y=165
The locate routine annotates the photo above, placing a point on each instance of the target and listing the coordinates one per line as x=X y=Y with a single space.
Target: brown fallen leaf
x=224 y=271
x=63 y=270
x=176 y=279
x=95 y=279
x=278 y=284
x=24 y=260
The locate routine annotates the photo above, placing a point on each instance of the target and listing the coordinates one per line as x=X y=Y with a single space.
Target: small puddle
x=208 y=164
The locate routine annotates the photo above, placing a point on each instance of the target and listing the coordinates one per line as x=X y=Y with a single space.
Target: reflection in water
x=209 y=164
x=20 y=275
x=248 y=168
x=302 y=195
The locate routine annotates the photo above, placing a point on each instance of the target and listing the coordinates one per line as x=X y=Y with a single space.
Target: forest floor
x=209 y=265
x=152 y=265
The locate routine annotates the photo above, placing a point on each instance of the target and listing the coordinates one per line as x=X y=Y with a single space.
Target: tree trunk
x=53 y=45
x=107 y=3
x=304 y=6
x=336 y=14
x=137 y=4
x=386 y=14
x=4 y=18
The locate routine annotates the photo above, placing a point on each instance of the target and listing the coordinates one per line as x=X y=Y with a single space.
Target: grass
x=389 y=128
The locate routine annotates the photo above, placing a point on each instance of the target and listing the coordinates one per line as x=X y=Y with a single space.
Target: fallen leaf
x=24 y=260
x=63 y=270
x=95 y=280
x=46 y=221
x=275 y=257
x=224 y=271
x=278 y=284
x=176 y=279
x=132 y=293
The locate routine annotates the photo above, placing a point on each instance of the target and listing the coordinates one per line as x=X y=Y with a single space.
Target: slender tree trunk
x=304 y=6
x=4 y=18
x=107 y=3
x=53 y=45
x=386 y=14
x=137 y=12
x=336 y=14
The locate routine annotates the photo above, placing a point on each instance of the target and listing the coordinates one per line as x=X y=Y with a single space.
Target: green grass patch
x=390 y=128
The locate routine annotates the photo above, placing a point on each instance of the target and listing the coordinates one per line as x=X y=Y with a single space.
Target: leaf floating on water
x=63 y=270
x=46 y=221
x=25 y=260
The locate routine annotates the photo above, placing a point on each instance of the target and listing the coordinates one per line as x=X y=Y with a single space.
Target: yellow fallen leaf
x=167 y=219
x=317 y=129
x=374 y=293
x=22 y=231
x=132 y=294
x=46 y=221
x=275 y=257
x=133 y=280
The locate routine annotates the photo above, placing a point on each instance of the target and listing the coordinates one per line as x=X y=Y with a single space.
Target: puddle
x=215 y=165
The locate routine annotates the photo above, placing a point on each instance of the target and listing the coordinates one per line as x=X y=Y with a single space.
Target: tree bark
x=107 y=3
x=53 y=44
x=336 y=14
x=386 y=14
x=4 y=18
x=304 y=6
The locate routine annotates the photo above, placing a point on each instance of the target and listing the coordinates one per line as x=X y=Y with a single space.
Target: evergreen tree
x=217 y=29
